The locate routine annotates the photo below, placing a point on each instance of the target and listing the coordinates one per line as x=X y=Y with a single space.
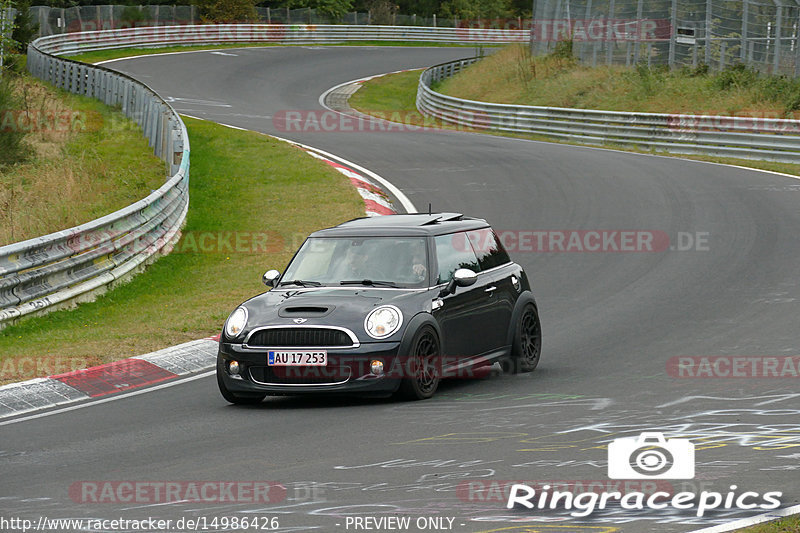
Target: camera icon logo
x=650 y=456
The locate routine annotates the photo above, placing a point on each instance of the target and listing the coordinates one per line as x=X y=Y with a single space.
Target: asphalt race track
x=612 y=321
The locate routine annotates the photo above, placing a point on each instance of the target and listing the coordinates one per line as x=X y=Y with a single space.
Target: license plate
x=297 y=358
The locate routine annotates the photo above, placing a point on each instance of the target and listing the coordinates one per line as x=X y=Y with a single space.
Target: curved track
x=611 y=322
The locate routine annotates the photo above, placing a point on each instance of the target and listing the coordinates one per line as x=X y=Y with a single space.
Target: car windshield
x=354 y=261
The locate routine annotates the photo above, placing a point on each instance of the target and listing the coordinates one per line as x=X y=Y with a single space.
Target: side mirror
x=270 y=277
x=463 y=277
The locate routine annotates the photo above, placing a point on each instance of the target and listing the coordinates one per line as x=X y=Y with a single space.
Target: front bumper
x=347 y=371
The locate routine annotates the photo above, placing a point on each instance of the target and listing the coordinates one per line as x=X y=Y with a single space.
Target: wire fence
x=6 y=29
x=53 y=21
x=763 y=34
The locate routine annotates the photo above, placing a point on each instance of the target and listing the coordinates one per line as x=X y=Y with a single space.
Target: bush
x=228 y=11
x=563 y=50
x=13 y=148
x=738 y=76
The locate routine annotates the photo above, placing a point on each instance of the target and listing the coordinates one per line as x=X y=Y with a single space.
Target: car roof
x=404 y=225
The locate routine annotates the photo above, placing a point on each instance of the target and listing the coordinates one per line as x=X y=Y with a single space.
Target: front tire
x=422 y=366
x=527 y=347
x=237 y=398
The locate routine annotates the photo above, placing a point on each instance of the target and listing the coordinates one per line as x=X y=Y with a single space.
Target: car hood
x=330 y=306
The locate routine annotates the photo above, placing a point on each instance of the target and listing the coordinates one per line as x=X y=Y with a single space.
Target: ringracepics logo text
x=586 y=503
x=649 y=456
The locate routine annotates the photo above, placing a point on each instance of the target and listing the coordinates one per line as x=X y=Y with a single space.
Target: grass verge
x=790 y=524
x=87 y=160
x=393 y=97
x=105 y=55
x=251 y=199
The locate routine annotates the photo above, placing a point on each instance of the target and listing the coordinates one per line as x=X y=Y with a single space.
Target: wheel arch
x=525 y=298
x=418 y=321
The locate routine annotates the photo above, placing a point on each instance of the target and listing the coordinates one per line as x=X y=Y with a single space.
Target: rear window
x=488 y=248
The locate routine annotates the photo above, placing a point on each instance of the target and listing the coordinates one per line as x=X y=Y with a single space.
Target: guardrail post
x=638 y=31
x=126 y=98
x=610 y=42
x=745 y=17
x=778 y=27
x=673 y=20
x=708 y=32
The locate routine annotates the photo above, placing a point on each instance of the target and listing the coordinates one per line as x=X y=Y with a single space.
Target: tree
x=382 y=11
x=333 y=10
x=476 y=9
x=7 y=43
x=228 y=10
x=25 y=29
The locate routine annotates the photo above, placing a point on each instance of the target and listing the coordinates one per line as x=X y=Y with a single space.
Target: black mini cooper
x=382 y=305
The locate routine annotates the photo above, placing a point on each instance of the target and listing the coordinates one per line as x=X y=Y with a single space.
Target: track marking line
x=109 y=399
x=753 y=520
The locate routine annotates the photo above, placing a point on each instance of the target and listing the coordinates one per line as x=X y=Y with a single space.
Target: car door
x=465 y=315
x=503 y=284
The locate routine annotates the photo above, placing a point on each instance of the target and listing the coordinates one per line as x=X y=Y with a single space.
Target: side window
x=488 y=248
x=453 y=252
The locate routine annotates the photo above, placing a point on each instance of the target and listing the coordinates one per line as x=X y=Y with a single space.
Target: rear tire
x=422 y=366
x=527 y=347
x=237 y=398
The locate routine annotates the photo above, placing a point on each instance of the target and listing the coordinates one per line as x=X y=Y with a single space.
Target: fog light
x=233 y=368
x=376 y=367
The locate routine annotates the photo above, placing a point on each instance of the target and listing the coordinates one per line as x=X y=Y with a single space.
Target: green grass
x=394 y=97
x=388 y=94
x=789 y=524
x=512 y=76
x=105 y=55
x=93 y=156
x=241 y=183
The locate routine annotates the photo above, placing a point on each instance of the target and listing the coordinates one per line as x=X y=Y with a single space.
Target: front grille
x=309 y=375
x=291 y=337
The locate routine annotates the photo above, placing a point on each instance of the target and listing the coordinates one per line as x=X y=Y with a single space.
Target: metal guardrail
x=766 y=139
x=77 y=263
x=268 y=33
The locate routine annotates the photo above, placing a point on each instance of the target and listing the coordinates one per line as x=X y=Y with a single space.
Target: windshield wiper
x=369 y=282
x=302 y=283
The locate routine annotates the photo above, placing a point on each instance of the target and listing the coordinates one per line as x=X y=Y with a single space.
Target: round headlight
x=236 y=322
x=383 y=321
